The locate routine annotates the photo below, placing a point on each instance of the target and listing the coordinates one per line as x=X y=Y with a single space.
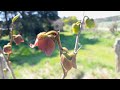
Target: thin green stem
x=59 y=42
x=11 y=34
x=8 y=64
x=77 y=48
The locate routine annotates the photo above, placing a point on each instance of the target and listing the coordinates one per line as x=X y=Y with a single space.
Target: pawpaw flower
x=68 y=60
x=46 y=42
x=7 y=49
x=18 y=39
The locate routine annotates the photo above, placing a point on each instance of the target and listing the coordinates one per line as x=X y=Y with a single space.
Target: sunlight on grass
x=5 y=38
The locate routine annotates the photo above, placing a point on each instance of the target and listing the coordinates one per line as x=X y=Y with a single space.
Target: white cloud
x=92 y=14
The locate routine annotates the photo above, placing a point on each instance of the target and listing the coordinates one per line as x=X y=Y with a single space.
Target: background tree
x=70 y=20
x=31 y=22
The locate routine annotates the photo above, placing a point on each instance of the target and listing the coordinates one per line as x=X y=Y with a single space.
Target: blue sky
x=91 y=14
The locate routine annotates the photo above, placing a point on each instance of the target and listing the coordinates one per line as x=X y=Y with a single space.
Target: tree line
x=30 y=23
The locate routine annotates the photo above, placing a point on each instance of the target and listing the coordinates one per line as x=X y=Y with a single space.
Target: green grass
x=96 y=59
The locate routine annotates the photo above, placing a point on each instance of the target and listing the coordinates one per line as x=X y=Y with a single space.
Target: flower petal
x=18 y=39
x=46 y=45
x=7 y=49
x=35 y=44
x=67 y=64
x=74 y=62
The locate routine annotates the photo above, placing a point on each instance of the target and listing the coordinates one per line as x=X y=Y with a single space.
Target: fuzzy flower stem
x=59 y=43
x=11 y=34
x=7 y=63
x=10 y=68
x=11 y=40
x=77 y=48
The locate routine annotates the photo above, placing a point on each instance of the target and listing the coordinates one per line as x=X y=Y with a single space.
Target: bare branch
x=8 y=64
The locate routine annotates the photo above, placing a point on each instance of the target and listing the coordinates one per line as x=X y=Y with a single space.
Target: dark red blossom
x=7 y=49
x=68 y=60
x=45 y=42
x=18 y=39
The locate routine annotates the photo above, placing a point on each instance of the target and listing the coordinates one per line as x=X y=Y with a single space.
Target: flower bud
x=90 y=23
x=76 y=27
x=45 y=42
x=7 y=49
x=68 y=59
x=18 y=39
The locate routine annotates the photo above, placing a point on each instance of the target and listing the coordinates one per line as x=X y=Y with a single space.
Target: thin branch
x=59 y=42
x=76 y=49
x=79 y=49
x=11 y=40
x=8 y=59
x=8 y=64
x=1 y=69
x=11 y=70
x=76 y=43
x=11 y=34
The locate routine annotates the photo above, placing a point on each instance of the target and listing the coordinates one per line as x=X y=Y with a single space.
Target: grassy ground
x=96 y=59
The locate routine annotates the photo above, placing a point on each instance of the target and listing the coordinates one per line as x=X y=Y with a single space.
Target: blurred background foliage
x=30 y=23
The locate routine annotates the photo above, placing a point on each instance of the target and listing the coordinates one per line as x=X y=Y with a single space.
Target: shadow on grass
x=24 y=54
x=69 y=41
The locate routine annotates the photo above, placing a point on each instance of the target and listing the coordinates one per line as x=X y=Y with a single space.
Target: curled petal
x=74 y=62
x=52 y=34
x=41 y=35
x=7 y=49
x=35 y=44
x=67 y=64
x=18 y=39
x=45 y=43
x=68 y=61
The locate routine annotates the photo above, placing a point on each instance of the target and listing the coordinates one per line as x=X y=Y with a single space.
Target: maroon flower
x=7 y=49
x=45 y=42
x=68 y=60
x=18 y=39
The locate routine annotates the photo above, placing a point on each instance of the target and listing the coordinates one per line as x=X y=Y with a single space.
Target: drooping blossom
x=7 y=49
x=18 y=39
x=45 y=41
x=68 y=60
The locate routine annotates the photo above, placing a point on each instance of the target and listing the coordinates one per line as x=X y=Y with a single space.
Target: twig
x=59 y=42
x=1 y=69
x=77 y=41
x=10 y=68
x=8 y=64
x=11 y=40
x=79 y=48
x=76 y=49
x=11 y=34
